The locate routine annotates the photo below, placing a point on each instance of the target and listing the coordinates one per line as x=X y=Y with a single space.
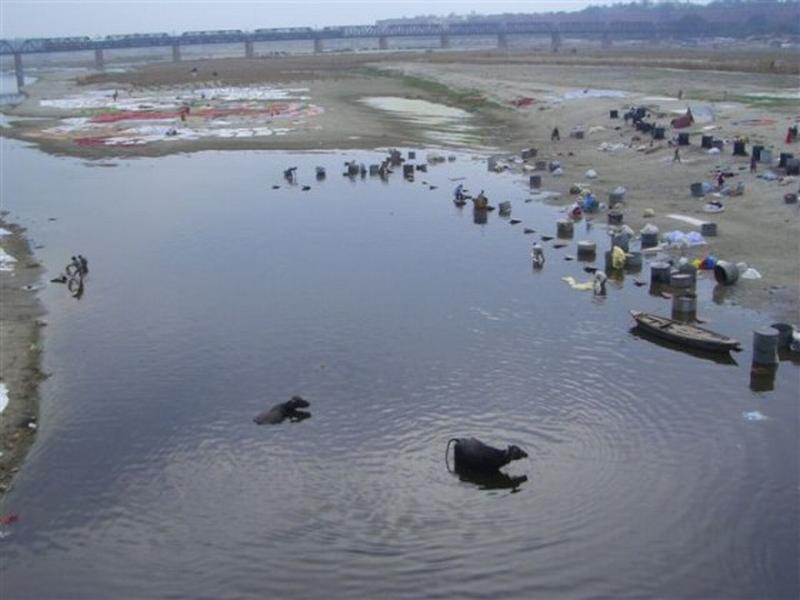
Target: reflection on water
x=493 y=480
x=214 y=295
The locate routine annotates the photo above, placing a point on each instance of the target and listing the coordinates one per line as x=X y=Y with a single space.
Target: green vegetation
x=467 y=99
x=762 y=101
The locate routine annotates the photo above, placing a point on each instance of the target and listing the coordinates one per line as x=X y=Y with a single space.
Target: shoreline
x=21 y=359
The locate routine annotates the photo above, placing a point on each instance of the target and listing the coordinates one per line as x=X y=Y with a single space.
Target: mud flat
x=20 y=326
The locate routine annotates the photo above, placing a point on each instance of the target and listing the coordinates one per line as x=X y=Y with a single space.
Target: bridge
x=501 y=30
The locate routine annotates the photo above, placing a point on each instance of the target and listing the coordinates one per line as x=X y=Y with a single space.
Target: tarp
x=683 y=121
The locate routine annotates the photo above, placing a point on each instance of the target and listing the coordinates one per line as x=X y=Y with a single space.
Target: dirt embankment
x=20 y=326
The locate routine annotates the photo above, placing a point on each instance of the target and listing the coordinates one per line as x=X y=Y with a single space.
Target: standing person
x=677 y=156
x=84 y=264
x=720 y=180
x=753 y=162
x=555 y=136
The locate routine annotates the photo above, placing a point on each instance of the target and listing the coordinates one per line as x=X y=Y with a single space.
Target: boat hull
x=684 y=334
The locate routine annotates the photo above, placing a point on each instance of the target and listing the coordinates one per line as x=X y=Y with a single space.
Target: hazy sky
x=43 y=18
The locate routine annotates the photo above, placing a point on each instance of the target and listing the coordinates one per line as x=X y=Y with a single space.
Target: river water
x=211 y=296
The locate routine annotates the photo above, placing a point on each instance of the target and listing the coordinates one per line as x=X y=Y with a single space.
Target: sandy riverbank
x=733 y=94
x=20 y=374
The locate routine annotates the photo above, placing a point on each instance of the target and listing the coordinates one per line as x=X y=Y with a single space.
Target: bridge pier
x=318 y=47
x=249 y=52
x=444 y=41
x=19 y=71
x=383 y=43
x=555 y=41
x=606 y=41
x=502 y=41
x=176 y=53
x=99 y=63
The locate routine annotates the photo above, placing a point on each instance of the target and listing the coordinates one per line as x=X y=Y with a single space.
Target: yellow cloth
x=578 y=286
x=617 y=257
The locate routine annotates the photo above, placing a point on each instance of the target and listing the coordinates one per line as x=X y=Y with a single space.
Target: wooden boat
x=684 y=334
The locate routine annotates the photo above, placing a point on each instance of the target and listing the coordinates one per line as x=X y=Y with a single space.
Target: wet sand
x=20 y=326
x=757 y=228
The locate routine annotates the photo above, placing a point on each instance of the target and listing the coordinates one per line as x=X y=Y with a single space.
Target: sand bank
x=20 y=325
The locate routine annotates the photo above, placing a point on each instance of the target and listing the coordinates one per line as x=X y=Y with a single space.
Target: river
x=212 y=296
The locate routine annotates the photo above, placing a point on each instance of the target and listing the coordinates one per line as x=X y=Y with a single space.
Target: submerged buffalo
x=284 y=410
x=471 y=454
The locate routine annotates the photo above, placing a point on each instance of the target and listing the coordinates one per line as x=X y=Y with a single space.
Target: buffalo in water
x=284 y=410
x=479 y=463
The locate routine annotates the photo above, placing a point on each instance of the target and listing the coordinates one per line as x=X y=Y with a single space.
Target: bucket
x=564 y=228
x=707 y=142
x=739 y=149
x=785 y=331
x=793 y=166
x=633 y=261
x=689 y=269
x=536 y=181
x=684 y=306
x=412 y=155
x=615 y=217
x=374 y=169
x=683 y=139
x=766 y=156
x=757 y=152
x=785 y=156
x=622 y=240
x=615 y=198
x=541 y=165
x=765 y=346
x=708 y=229
x=587 y=250
x=408 y=171
x=681 y=281
x=659 y=272
x=504 y=208
x=697 y=190
x=613 y=114
x=649 y=240
x=726 y=273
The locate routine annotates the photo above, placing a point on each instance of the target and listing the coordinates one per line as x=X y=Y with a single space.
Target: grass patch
x=765 y=101
x=468 y=99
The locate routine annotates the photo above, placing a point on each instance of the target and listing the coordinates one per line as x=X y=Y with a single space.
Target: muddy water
x=212 y=296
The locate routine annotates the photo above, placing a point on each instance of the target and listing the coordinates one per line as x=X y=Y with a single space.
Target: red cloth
x=524 y=101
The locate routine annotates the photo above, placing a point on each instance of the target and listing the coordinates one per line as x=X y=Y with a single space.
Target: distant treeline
x=721 y=17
